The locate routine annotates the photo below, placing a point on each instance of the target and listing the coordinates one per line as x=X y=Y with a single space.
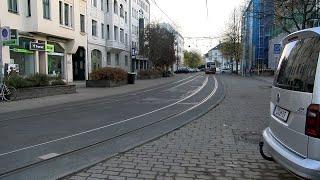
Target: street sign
x=133 y=53
x=14 y=38
x=277 y=48
x=5 y=33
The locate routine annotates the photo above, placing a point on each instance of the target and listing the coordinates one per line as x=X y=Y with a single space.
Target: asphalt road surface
x=51 y=142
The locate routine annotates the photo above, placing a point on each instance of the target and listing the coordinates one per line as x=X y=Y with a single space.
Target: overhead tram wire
x=155 y=3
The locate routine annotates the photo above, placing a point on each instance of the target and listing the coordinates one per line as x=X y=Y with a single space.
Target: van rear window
x=298 y=65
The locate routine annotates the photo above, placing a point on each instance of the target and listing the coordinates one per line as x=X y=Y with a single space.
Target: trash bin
x=131 y=78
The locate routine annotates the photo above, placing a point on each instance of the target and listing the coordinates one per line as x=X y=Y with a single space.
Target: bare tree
x=231 y=43
x=297 y=14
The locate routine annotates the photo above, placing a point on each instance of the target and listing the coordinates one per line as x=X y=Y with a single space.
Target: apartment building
x=139 y=19
x=56 y=28
x=179 y=45
x=108 y=34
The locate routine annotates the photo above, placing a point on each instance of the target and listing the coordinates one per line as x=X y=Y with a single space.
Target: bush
x=149 y=74
x=35 y=80
x=18 y=82
x=107 y=73
x=38 y=80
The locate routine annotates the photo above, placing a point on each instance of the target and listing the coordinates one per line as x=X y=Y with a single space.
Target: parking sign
x=5 y=33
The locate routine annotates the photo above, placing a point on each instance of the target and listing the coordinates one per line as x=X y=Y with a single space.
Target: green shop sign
x=18 y=50
x=49 y=48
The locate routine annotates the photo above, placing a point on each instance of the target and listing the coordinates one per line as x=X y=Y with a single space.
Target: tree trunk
x=237 y=67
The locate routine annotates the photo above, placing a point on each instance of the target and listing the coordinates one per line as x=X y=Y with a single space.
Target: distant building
x=215 y=55
x=179 y=45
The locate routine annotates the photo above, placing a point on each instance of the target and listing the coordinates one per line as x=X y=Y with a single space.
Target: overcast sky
x=191 y=17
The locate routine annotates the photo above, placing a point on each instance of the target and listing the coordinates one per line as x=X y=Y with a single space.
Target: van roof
x=302 y=34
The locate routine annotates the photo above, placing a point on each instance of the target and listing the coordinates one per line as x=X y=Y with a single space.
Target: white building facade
x=139 y=19
x=58 y=24
x=108 y=34
x=178 y=46
x=215 y=55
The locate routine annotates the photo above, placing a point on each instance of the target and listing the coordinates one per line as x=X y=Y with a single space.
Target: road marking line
x=106 y=126
x=182 y=83
x=48 y=156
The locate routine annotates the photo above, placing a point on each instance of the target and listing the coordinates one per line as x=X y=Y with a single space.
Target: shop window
x=56 y=61
x=23 y=57
x=96 y=59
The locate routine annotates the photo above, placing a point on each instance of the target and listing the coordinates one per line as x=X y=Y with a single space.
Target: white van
x=293 y=136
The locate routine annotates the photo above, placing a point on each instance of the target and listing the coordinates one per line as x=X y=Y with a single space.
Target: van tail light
x=313 y=121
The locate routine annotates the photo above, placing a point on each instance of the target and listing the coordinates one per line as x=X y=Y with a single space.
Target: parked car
x=293 y=136
x=182 y=70
x=225 y=70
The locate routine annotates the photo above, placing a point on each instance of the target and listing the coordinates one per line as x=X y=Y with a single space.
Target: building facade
x=257 y=24
x=108 y=34
x=215 y=55
x=178 y=46
x=139 y=19
x=46 y=23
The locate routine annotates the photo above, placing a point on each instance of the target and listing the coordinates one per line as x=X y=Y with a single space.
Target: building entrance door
x=79 y=65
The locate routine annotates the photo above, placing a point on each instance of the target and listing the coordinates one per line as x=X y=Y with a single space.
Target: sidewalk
x=84 y=94
x=223 y=144
x=267 y=79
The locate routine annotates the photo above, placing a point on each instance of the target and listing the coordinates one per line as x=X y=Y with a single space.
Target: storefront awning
x=19 y=50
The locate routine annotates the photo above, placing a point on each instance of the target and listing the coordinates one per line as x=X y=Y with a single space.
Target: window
x=115 y=7
x=28 y=8
x=60 y=12
x=82 y=23
x=121 y=11
x=298 y=65
x=94 y=28
x=96 y=59
x=46 y=9
x=126 y=60
x=66 y=14
x=94 y=2
x=13 y=6
x=126 y=39
x=102 y=30
x=117 y=60
x=121 y=35
x=115 y=33
x=102 y=5
x=126 y=17
x=108 y=58
x=108 y=31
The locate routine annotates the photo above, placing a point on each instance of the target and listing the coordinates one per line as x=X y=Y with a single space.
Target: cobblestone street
x=223 y=144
